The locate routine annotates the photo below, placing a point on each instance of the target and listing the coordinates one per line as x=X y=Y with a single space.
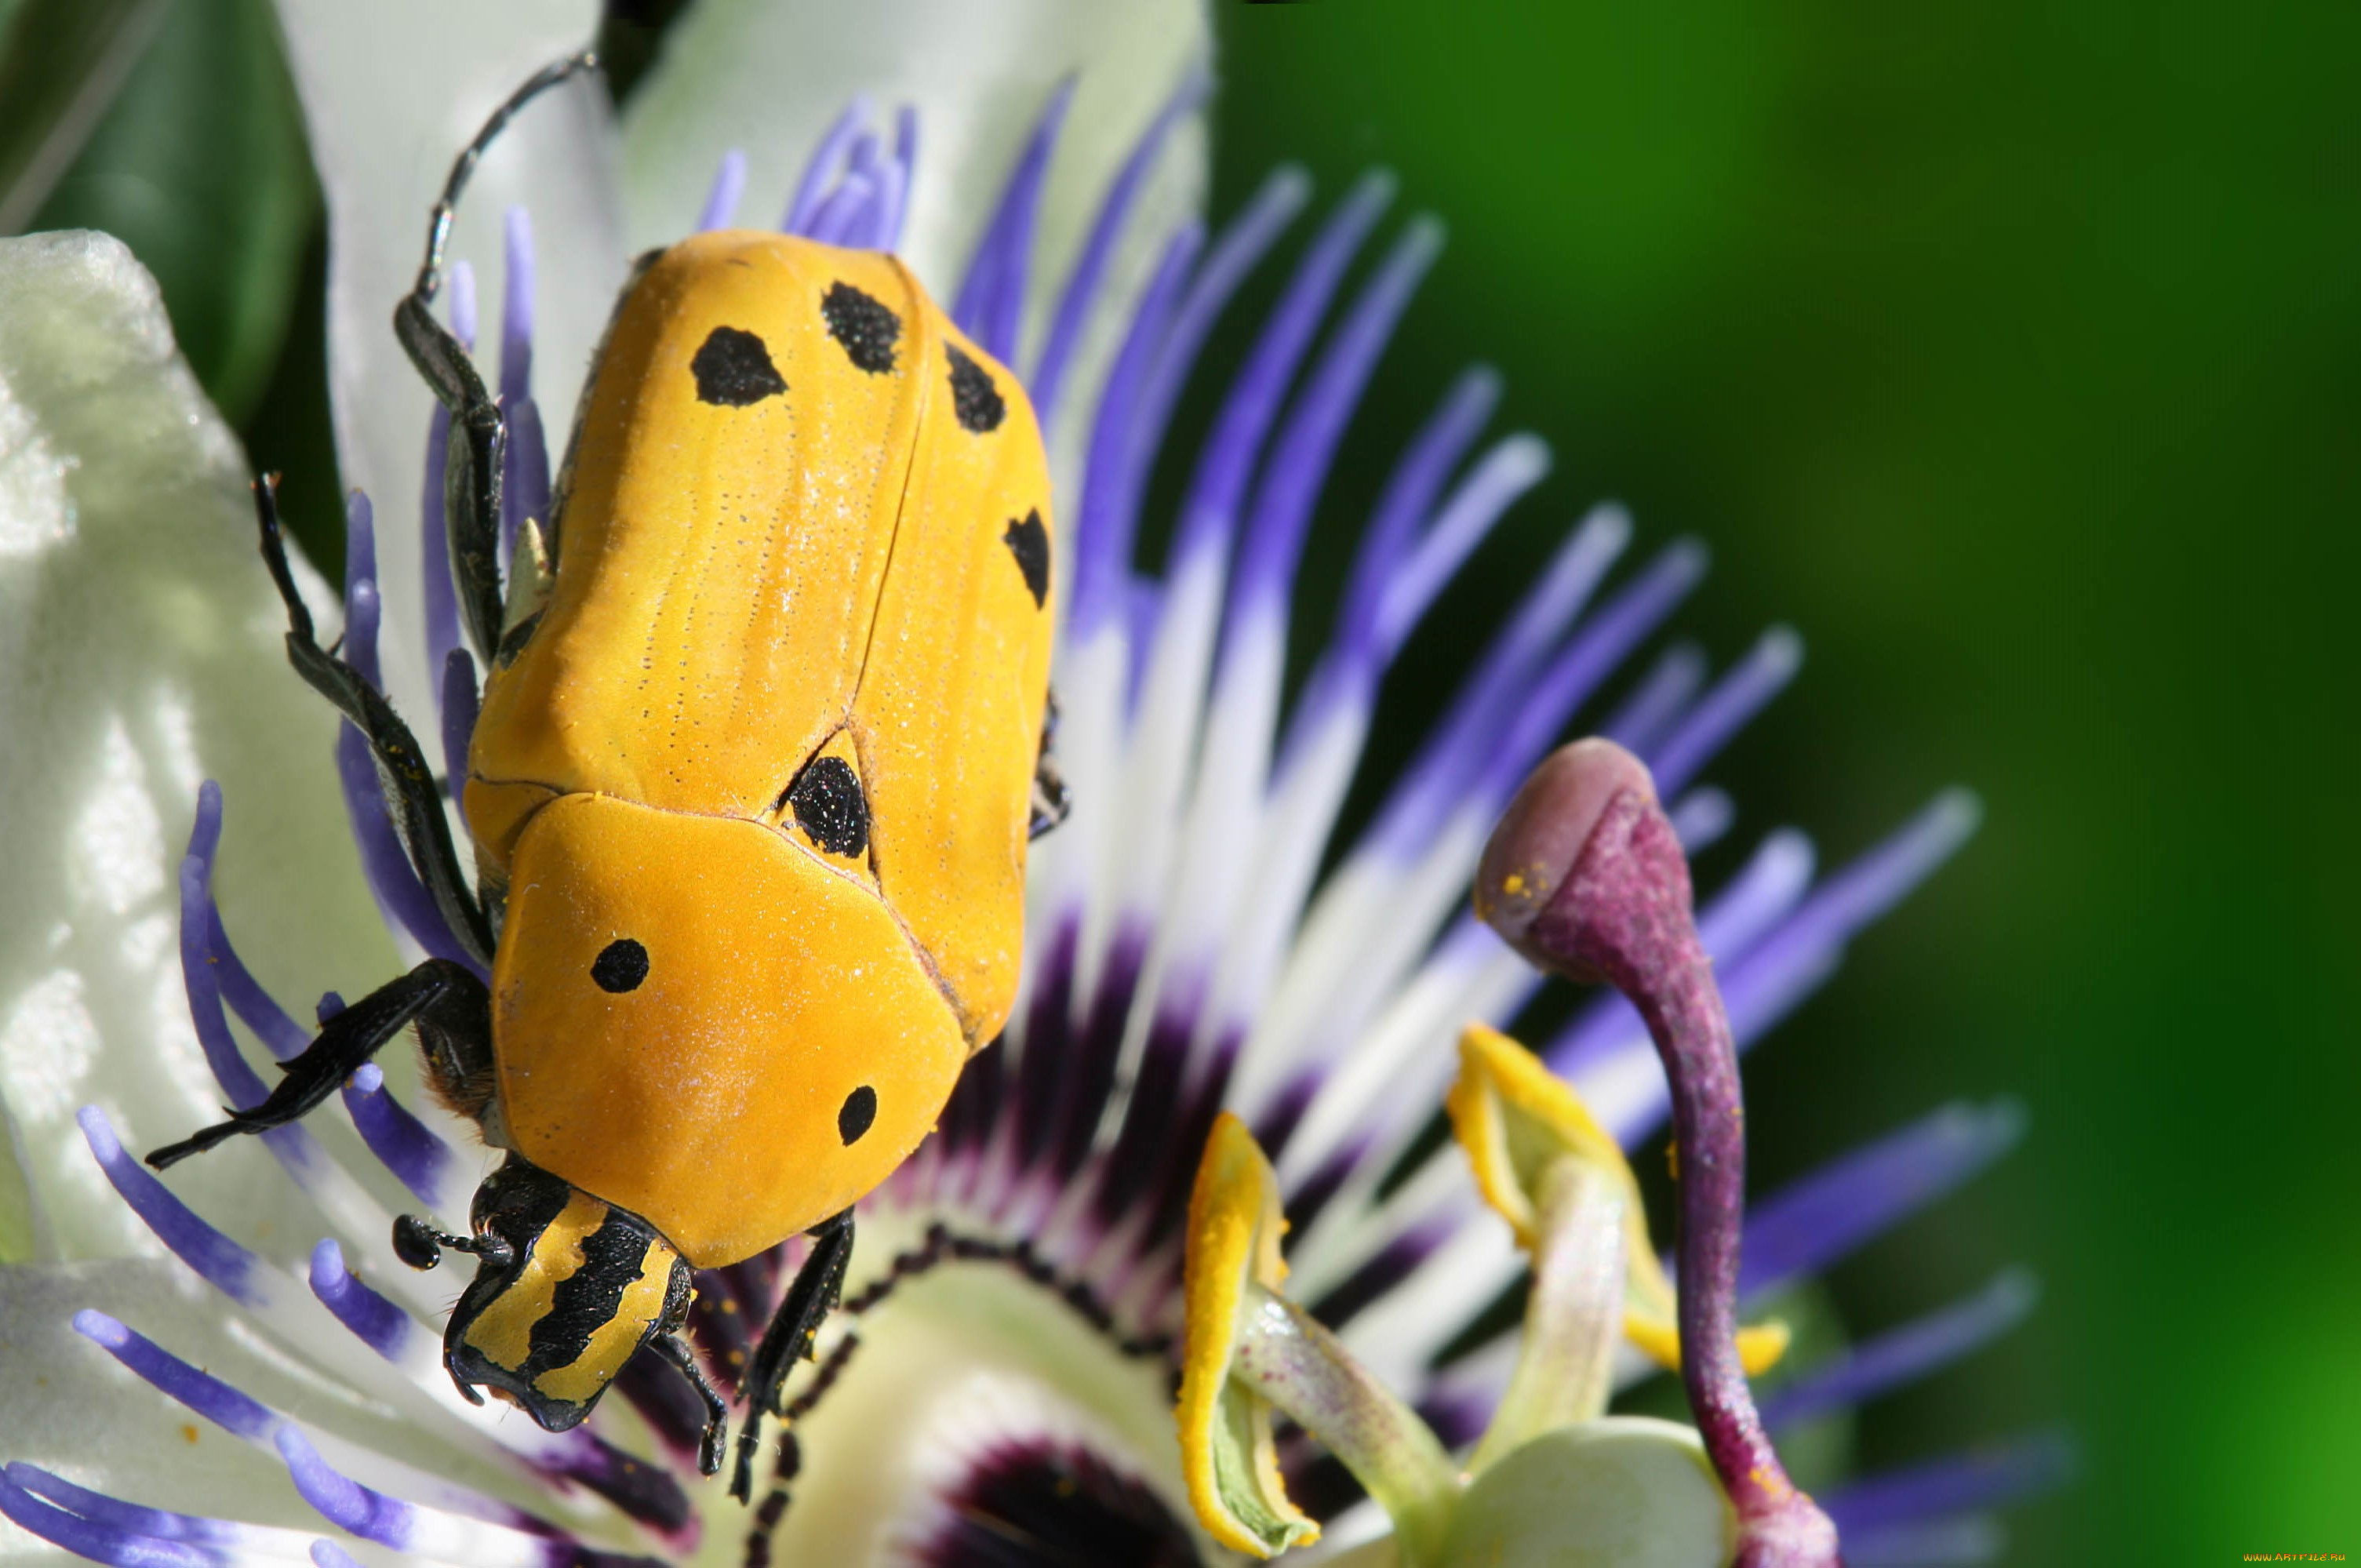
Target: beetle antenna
x=418 y=1243
x=438 y=227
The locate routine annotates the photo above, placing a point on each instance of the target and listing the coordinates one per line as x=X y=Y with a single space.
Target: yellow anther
x=1228 y=1455
x=1515 y=1119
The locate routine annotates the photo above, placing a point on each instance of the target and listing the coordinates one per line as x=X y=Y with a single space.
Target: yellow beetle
x=750 y=791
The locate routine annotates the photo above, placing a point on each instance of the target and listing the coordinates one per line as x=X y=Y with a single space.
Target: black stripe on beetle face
x=866 y=328
x=733 y=369
x=1029 y=541
x=587 y=1300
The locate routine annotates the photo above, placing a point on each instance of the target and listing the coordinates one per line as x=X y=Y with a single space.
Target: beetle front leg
x=415 y=798
x=437 y=993
x=1051 y=800
x=675 y=1350
x=788 y=1339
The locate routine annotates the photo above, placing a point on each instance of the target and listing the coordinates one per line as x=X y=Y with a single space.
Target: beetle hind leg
x=480 y=432
x=817 y=1286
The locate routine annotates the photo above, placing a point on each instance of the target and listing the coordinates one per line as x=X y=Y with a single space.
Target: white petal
x=390 y=94
x=768 y=79
x=87 y=1417
x=141 y=652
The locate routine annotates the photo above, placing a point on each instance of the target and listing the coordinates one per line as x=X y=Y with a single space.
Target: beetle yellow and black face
x=581 y=1287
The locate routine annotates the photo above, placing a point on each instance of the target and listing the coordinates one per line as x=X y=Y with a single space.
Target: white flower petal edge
x=390 y=94
x=768 y=79
x=140 y=655
x=94 y=1422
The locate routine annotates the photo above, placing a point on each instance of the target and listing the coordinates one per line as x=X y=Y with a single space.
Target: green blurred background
x=2013 y=353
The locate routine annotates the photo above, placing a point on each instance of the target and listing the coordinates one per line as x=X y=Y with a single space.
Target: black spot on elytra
x=734 y=369
x=975 y=399
x=621 y=965
x=829 y=807
x=1029 y=542
x=866 y=328
x=859 y=1110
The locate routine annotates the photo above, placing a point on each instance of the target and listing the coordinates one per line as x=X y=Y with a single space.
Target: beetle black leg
x=471 y=470
x=418 y=815
x=437 y=994
x=675 y=1350
x=790 y=1338
x=480 y=432
x=1050 y=800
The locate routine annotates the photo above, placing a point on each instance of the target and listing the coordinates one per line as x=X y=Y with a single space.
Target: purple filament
x=1734 y=700
x=416 y=1156
x=1081 y=294
x=1409 y=498
x=903 y=171
x=228 y=1267
x=1298 y=464
x=524 y=479
x=376 y=1321
x=991 y=304
x=1100 y=540
x=1398 y=574
x=820 y=172
x=1656 y=704
x=100 y=1541
x=1210 y=516
x=846 y=206
x=1469 y=757
x=1908 y=1354
x=1567 y=681
x=1235 y=254
x=1959 y=1540
x=392 y=877
x=1502 y=475
x=1956 y=1484
x=1858 y=1196
x=343 y=1502
x=235 y=1412
x=729 y=189
x=1701 y=817
x=278 y=1033
x=158 y=1524
x=200 y=984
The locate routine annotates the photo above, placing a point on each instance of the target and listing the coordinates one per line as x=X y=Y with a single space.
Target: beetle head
x=553 y=1313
